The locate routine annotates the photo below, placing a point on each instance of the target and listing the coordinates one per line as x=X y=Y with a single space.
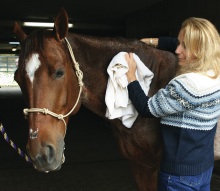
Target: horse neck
x=93 y=55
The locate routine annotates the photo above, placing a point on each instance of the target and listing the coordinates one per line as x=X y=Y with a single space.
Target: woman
x=189 y=108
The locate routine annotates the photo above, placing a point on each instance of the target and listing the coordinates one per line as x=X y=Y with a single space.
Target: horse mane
x=111 y=42
x=105 y=47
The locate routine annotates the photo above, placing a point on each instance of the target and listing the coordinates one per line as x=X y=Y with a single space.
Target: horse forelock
x=33 y=43
x=31 y=47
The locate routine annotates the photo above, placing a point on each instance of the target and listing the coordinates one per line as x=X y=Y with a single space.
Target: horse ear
x=19 y=33
x=61 y=24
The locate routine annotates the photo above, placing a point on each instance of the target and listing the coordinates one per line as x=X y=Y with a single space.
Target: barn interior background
x=93 y=162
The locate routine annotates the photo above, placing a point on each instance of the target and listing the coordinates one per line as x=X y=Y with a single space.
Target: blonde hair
x=202 y=44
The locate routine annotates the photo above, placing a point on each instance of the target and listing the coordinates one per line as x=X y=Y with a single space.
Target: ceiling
x=88 y=16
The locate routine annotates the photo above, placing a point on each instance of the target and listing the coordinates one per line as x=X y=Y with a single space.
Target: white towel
x=116 y=97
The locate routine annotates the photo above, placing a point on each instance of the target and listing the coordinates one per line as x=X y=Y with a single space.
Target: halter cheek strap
x=46 y=111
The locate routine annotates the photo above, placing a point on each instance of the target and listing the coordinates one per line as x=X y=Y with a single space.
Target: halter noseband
x=46 y=111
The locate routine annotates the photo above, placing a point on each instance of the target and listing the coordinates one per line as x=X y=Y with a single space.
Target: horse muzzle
x=47 y=159
x=56 y=169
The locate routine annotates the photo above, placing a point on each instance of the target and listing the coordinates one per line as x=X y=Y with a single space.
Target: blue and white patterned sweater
x=189 y=108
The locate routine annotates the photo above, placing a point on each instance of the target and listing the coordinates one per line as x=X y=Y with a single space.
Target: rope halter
x=46 y=111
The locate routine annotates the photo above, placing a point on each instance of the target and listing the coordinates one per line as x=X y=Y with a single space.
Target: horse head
x=49 y=84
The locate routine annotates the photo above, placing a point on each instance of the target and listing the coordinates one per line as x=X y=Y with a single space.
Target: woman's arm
x=162 y=43
x=151 y=41
x=174 y=98
x=139 y=99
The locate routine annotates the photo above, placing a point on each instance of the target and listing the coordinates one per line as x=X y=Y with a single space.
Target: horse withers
x=48 y=76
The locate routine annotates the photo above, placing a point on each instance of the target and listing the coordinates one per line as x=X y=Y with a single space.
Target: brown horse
x=48 y=79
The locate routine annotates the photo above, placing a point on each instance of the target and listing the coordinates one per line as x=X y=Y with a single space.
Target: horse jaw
x=19 y=33
x=217 y=142
x=61 y=25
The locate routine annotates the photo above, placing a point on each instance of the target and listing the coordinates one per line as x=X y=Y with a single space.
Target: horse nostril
x=48 y=153
x=51 y=153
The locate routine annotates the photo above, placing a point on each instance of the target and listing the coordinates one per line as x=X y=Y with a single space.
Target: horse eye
x=59 y=73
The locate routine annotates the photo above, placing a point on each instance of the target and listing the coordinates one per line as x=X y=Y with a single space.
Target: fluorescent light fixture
x=40 y=24
x=14 y=49
x=17 y=43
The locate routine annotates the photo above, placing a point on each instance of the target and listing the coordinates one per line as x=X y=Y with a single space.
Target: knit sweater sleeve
x=139 y=99
x=167 y=43
x=174 y=98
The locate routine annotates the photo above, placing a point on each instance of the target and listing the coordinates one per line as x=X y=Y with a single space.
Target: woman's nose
x=178 y=49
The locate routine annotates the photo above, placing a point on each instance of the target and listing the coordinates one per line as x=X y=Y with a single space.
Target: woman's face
x=181 y=49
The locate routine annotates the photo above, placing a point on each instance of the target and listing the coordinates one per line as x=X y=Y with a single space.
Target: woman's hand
x=132 y=66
